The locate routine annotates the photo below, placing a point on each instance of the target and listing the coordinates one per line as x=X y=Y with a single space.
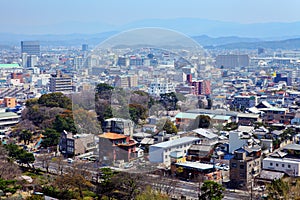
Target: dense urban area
x=149 y=122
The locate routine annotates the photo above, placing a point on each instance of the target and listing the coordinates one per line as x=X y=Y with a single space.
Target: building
x=9 y=102
x=244 y=102
x=61 y=83
x=201 y=87
x=7 y=120
x=232 y=61
x=126 y=81
x=84 y=47
x=248 y=119
x=114 y=146
x=160 y=153
x=160 y=87
x=244 y=166
x=239 y=139
x=277 y=115
x=30 y=47
x=72 y=145
x=118 y=125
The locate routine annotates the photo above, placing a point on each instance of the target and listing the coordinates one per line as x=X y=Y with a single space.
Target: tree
x=137 y=112
x=169 y=127
x=106 y=185
x=149 y=194
x=51 y=138
x=26 y=136
x=169 y=101
x=278 y=189
x=201 y=121
x=8 y=169
x=55 y=99
x=21 y=155
x=211 y=190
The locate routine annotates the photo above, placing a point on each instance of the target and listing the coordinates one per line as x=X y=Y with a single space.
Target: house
x=149 y=128
x=206 y=136
x=196 y=171
x=296 y=119
x=248 y=119
x=119 y=125
x=160 y=153
x=238 y=139
x=71 y=145
x=115 y=146
x=244 y=166
x=200 y=152
x=261 y=132
x=287 y=161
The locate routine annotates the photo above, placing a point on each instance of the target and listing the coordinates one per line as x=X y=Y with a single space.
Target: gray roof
x=213 y=112
x=205 y=133
x=292 y=147
x=278 y=154
x=176 y=142
x=270 y=175
x=196 y=165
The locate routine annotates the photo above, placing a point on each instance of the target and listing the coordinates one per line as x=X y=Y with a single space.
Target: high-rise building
x=84 y=47
x=30 y=47
x=61 y=83
x=32 y=61
x=232 y=61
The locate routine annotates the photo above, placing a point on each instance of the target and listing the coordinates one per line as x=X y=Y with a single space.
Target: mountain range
x=208 y=33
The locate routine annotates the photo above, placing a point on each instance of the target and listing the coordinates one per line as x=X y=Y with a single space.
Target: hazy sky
x=117 y=12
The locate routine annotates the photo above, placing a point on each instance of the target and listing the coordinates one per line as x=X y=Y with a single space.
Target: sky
x=15 y=14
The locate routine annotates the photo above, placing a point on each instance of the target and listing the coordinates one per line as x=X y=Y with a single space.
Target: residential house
x=115 y=146
x=244 y=166
x=287 y=161
x=71 y=145
x=119 y=125
x=160 y=153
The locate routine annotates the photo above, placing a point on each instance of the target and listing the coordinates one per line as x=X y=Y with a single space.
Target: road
x=174 y=187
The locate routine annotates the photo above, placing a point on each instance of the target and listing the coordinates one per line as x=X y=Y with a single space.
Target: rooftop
x=292 y=147
x=205 y=133
x=112 y=136
x=176 y=142
x=196 y=165
x=8 y=66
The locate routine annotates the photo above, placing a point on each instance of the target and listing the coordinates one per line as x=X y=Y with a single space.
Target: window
x=276 y=164
x=282 y=165
x=271 y=164
x=233 y=165
x=289 y=166
x=166 y=156
x=242 y=166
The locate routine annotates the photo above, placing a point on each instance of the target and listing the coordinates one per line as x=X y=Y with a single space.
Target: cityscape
x=150 y=109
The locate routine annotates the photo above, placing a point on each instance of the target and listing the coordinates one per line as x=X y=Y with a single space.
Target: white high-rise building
x=161 y=87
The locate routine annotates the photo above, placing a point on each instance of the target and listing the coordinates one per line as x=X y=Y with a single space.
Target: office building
x=84 y=47
x=30 y=47
x=232 y=61
x=60 y=83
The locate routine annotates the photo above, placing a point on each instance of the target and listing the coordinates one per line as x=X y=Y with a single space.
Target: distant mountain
x=188 y=26
x=281 y=44
x=205 y=40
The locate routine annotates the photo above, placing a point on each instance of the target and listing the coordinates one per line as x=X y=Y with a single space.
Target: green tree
x=103 y=87
x=169 y=127
x=201 y=121
x=149 y=194
x=169 y=101
x=21 y=155
x=211 y=190
x=50 y=138
x=278 y=189
x=9 y=186
x=26 y=136
x=137 y=112
x=55 y=99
